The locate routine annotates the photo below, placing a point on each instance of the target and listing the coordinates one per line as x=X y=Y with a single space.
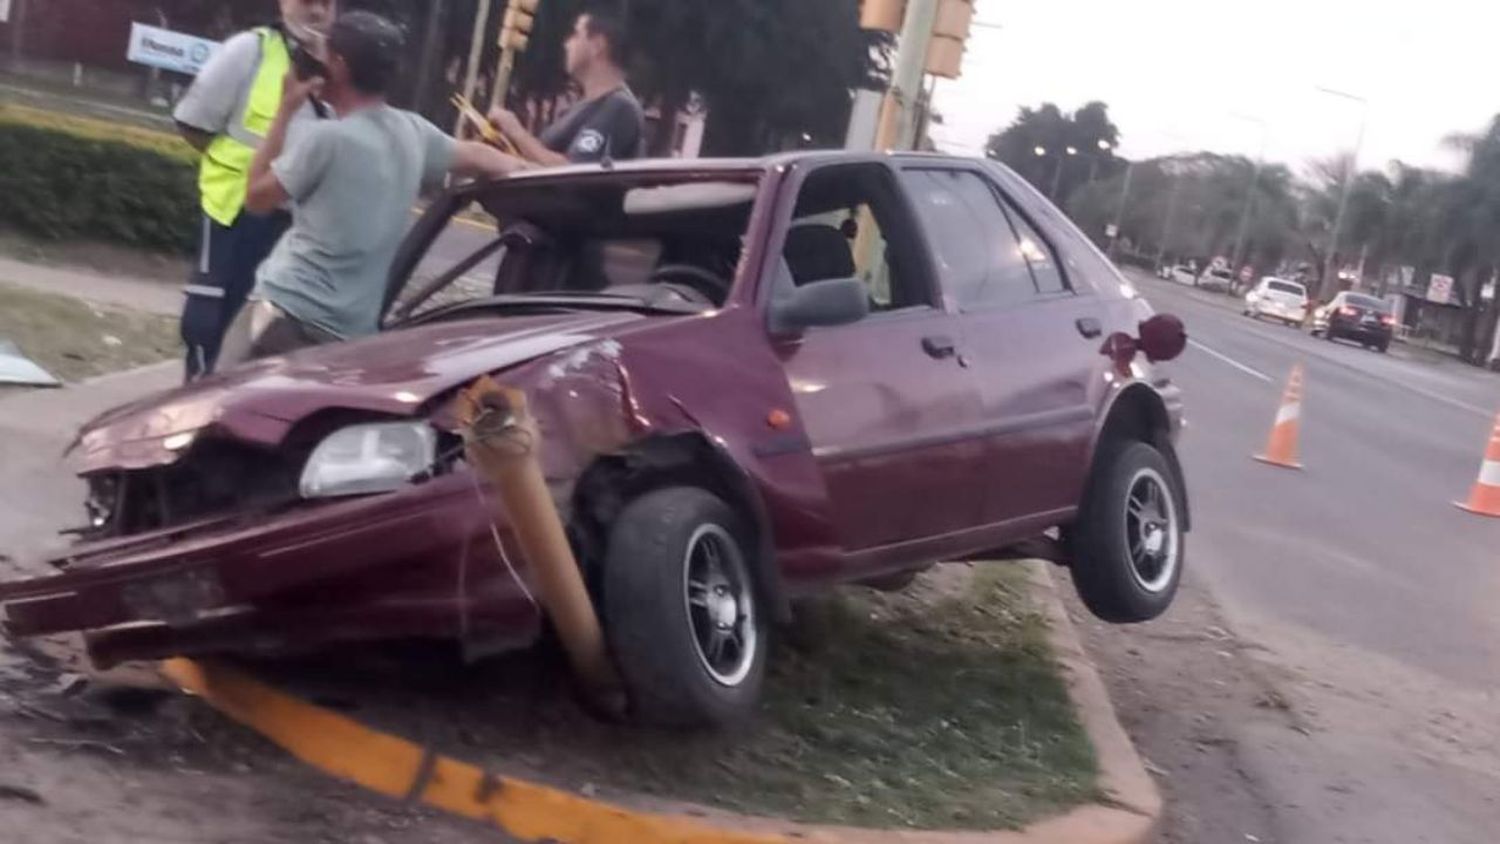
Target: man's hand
x=508 y=123
x=294 y=91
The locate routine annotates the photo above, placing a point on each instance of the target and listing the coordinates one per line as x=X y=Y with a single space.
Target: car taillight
x=1348 y=311
x=1388 y=320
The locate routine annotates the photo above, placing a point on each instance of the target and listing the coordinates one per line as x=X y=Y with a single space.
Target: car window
x=979 y=258
x=1286 y=287
x=849 y=221
x=1369 y=302
x=1049 y=279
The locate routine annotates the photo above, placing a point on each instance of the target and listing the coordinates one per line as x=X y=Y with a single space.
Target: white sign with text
x=156 y=47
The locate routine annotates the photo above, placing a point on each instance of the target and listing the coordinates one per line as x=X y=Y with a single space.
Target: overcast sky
x=1186 y=74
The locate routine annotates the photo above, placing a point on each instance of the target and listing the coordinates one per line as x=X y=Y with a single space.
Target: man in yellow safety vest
x=225 y=115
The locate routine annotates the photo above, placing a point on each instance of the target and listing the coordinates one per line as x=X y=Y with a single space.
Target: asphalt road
x=1366 y=596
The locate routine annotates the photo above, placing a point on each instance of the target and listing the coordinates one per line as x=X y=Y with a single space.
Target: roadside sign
x=1440 y=289
x=162 y=48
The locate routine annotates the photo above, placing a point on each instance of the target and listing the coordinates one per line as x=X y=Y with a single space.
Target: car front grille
x=213 y=479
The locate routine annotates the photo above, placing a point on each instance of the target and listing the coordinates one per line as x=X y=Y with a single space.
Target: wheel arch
x=613 y=480
x=1138 y=413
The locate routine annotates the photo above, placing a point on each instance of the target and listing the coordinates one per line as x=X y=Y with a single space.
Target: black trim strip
x=983 y=430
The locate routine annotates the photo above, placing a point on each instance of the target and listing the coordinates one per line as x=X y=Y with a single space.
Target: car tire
x=1128 y=542
x=682 y=611
x=1383 y=348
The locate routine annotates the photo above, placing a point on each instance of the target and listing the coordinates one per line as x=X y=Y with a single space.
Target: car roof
x=718 y=166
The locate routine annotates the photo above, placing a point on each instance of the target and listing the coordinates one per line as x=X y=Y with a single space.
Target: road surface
x=1338 y=643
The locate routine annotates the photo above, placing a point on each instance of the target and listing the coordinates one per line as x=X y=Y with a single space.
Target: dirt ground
x=1179 y=684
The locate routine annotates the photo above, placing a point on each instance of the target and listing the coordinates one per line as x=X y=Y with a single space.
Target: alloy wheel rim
x=1151 y=534
x=720 y=605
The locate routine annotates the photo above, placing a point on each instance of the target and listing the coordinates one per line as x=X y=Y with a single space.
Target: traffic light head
x=882 y=15
x=945 y=53
x=520 y=17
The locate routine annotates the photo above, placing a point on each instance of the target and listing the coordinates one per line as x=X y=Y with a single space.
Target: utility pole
x=476 y=54
x=1260 y=158
x=432 y=46
x=1330 y=268
x=1120 y=210
x=897 y=117
x=1166 y=223
x=17 y=32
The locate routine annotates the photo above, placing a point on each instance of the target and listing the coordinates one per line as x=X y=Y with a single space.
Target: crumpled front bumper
x=375 y=567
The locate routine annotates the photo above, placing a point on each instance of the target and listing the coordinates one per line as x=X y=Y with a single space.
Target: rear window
x=1367 y=302
x=1221 y=273
x=1287 y=287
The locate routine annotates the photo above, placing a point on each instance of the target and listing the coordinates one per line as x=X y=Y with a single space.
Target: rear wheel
x=682 y=611
x=1128 y=541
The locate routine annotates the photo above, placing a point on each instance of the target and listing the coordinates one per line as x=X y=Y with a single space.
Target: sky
x=1230 y=77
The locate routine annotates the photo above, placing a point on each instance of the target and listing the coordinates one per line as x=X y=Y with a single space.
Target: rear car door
x=887 y=402
x=1034 y=325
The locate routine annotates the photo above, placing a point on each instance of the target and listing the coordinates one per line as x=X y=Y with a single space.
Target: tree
x=1088 y=131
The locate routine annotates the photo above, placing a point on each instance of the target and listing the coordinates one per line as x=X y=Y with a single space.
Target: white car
x=1182 y=274
x=1217 y=278
x=1277 y=298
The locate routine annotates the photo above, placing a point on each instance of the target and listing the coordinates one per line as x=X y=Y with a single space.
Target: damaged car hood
x=392 y=373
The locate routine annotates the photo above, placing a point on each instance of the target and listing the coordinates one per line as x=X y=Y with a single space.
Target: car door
x=887 y=402
x=1034 y=327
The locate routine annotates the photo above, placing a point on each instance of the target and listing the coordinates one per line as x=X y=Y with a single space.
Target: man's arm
x=529 y=146
x=266 y=192
x=472 y=159
x=206 y=109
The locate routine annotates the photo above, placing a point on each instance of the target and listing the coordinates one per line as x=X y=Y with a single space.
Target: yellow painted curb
x=404 y=770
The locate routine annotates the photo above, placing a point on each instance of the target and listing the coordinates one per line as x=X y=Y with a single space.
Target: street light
x=1040 y=151
x=1330 y=280
x=1239 y=240
x=1104 y=145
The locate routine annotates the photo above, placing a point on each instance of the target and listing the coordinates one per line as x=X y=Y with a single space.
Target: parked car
x=1277 y=298
x=1182 y=274
x=1358 y=317
x=1217 y=278
x=754 y=380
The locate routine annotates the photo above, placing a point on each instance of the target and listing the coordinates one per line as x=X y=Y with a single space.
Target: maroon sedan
x=754 y=380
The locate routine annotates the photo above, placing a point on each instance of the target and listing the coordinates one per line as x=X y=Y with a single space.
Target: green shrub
x=67 y=178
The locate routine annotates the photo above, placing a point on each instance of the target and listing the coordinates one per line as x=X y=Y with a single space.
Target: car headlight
x=362 y=459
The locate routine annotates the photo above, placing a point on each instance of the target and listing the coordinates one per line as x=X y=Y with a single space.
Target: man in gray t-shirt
x=351 y=183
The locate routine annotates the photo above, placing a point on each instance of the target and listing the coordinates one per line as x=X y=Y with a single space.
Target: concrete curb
x=404 y=770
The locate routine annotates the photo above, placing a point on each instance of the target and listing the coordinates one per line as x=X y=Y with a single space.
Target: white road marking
x=1252 y=372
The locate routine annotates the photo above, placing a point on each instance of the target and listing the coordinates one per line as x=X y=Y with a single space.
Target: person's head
x=598 y=40
x=364 y=54
x=315 y=15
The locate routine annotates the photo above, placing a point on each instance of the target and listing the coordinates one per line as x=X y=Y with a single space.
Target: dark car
x=1358 y=317
x=754 y=380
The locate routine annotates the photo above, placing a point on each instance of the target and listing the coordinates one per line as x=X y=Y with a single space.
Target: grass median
x=74 y=340
x=939 y=707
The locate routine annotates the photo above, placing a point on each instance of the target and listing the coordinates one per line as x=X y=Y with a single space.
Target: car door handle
x=1089 y=327
x=938 y=346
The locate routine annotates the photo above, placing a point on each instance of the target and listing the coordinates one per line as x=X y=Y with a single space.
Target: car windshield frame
x=1368 y=302
x=735 y=187
x=1290 y=288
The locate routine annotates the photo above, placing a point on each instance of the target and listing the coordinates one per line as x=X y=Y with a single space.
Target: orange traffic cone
x=1484 y=498
x=1281 y=446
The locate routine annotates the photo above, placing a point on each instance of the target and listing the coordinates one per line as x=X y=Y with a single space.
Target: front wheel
x=1129 y=540
x=682 y=610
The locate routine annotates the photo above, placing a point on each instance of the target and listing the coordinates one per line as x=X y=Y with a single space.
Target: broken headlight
x=362 y=459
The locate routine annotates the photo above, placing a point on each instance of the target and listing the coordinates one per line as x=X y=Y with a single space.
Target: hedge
x=65 y=177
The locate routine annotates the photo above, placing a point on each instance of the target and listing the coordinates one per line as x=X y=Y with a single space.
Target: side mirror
x=834 y=301
x=1162 y=337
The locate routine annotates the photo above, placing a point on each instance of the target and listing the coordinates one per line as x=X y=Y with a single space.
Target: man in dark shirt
x=607 y=122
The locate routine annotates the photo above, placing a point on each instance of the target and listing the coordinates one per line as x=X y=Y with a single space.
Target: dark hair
x=608 y=22
x=371 y=46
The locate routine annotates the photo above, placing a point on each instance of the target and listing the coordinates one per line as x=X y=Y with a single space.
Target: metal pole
x=476 y=52
x=1330 y=276
x=1166 y=223
x=1057 y=176
x=1120 y=211
x=432 y=47
x=17 y=33
x=899 y=117
x=501 y=87
x=1239 y=240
